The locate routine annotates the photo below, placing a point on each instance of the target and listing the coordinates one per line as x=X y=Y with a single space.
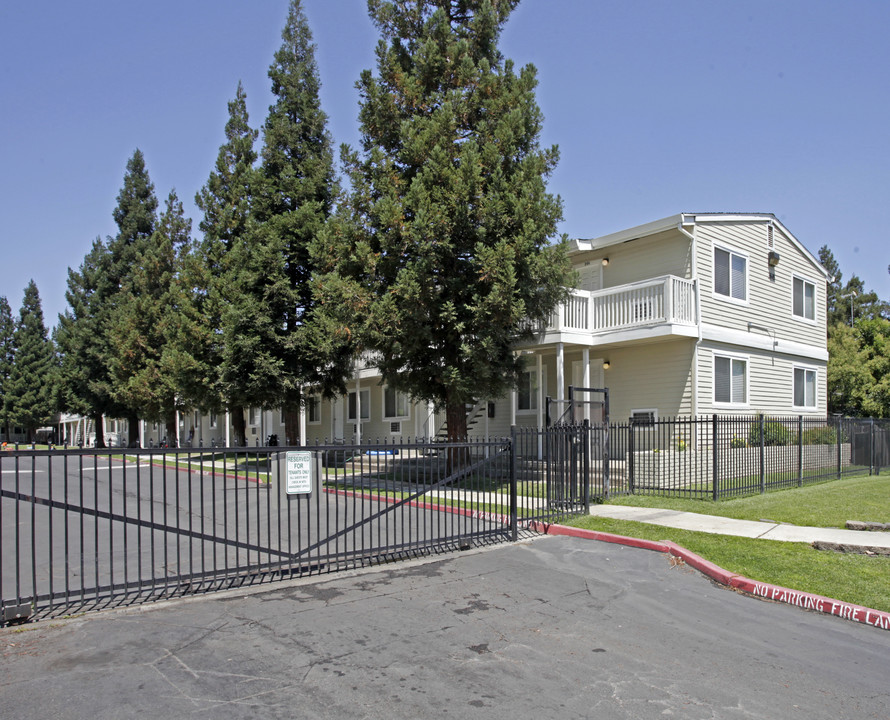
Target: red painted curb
x=776 y=593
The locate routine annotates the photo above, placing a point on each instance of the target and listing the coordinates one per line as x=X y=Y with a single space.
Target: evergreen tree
x=443 y=259
x=29 y=393
x=82 y=344
x=135 y=216
x=267 y=356
x=846 y=303
x=145 y=324
x=7 y=359
x=226 y=202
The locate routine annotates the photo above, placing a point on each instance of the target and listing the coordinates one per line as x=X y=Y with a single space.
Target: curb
x=765 y=591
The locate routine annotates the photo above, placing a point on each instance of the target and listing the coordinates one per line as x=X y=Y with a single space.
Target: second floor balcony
x=661 y=305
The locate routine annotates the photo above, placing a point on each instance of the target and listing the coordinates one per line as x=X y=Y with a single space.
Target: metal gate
x=88 y=529
x=588 y=408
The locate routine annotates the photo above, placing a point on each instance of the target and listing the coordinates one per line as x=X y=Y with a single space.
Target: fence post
x=514 y=522
x=871 y=452
x=714 y=488
x=839 y=425
x=800 y=451
x=631 y=480
x=762 y=455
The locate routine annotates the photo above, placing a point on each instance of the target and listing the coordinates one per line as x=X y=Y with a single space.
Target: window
x=252 y=415
x=804 y=388
x=730 y=274
x=730 y=380
x=803 y=299
x=395 y=403
x=528 y=391
x=365 y=399
x=313 y=410
x=213 y=419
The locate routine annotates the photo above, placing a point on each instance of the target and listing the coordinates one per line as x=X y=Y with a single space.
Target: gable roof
x=687 y=221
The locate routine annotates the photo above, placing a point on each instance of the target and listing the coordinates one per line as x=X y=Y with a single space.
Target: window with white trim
x=364 y=401
x=730 y=380
x=395 y=404
x=804 y=388
x=527 y=392
x=803 y=299
x=212 y=419
x=730 y=274
x=253 y=416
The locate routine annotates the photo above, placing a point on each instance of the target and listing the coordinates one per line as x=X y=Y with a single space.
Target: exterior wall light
x=605 y=262
x=606 y=364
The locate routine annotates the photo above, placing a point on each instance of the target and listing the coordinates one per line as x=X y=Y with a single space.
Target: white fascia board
x=634 y=233
x=761 y=341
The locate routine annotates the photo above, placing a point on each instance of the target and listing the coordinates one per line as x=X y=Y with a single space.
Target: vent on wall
x=769 y=236
x=395 y=428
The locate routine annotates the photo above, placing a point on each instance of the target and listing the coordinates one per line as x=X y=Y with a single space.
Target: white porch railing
x=666 y=299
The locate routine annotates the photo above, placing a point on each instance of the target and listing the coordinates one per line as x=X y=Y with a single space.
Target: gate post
x=762 y=455
x=606 y=444
x=631 y=481
x=800 y=451
x=714 y=463
x=514 y=521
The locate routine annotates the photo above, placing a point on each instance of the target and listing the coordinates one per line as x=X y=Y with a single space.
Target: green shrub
x=824 y=435
x=738 y=442
x=773 y=434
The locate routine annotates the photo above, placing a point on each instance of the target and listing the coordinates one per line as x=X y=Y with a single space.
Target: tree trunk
x=240 y=426
x=456 y=420
x=99 y=430
x=170 y=430
x=291 y=427
x=132 y=430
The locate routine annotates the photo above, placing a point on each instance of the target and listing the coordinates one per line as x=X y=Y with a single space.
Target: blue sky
x=658 y=107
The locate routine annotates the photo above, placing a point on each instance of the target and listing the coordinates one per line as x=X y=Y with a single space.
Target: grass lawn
x=859 y=579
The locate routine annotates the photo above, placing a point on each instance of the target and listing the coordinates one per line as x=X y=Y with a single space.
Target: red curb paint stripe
x=549 y=529
x=766 y=591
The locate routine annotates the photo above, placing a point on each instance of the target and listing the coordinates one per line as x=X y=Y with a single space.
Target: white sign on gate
x=299 y=472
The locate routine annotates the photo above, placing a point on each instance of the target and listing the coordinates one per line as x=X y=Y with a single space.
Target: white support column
x=358 y=409
x=585 y=368
x=142 y=433
x=228 y=429
x=540 y=379
x=430 y=420
x=560 y=377
x=303 y=421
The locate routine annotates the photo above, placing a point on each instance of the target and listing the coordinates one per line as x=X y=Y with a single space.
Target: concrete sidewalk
x=764 y=530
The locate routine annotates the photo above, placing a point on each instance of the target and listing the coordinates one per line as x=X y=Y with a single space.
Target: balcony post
x=669 y=299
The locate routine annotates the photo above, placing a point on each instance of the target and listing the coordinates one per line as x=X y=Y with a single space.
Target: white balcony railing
x=666 y=299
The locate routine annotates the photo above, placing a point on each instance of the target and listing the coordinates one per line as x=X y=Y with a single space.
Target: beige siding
x=666 y=253
x=651 y=376
x=769 y=301
x=770 y=382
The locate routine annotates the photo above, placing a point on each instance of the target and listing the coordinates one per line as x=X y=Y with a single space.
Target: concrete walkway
x=743 y=528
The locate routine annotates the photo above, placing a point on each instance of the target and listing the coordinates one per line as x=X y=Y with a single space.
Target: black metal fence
x=712 y=457
x=85 y=529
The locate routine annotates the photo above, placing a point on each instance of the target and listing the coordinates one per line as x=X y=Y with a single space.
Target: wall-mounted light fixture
x=773 y=258
x=605 y=262
x=606 y=364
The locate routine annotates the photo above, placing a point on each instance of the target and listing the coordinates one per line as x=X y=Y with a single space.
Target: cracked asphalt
x=551 y=627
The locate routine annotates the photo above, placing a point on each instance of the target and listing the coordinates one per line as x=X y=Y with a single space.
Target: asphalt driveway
x=554 y=627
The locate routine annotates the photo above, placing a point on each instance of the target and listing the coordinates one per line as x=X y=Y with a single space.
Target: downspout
x=698 y=321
